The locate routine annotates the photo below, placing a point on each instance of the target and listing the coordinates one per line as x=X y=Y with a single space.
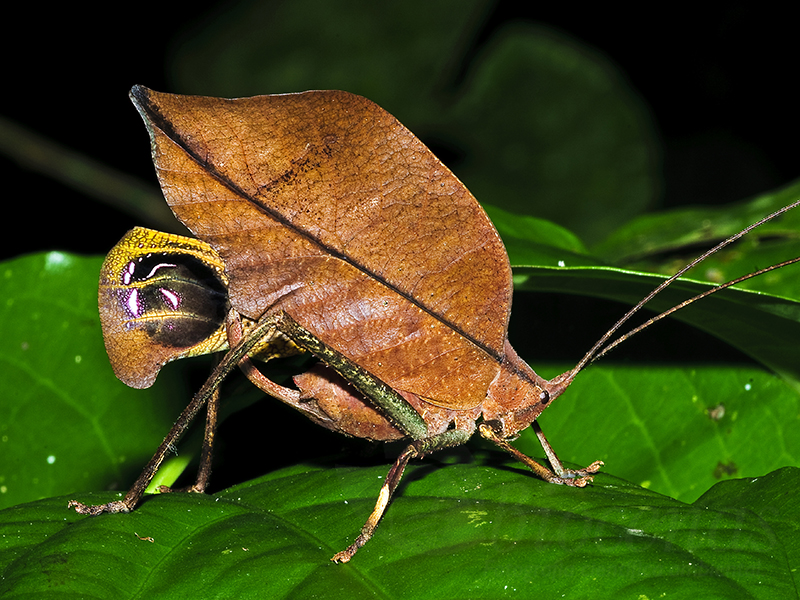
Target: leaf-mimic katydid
x=326 y=226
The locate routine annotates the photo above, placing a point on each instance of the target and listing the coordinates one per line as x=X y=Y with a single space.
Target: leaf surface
x=273 y=537
x=763 y=326
x=677 y=429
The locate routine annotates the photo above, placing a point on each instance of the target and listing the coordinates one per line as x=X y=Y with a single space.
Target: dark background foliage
x=719 y=83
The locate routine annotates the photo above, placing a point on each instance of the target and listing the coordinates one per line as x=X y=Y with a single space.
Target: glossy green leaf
x=66 y=423
x=512 y=534
x=665 y=242
x=532 y=241
x=763 y=326
x=678 y=430
x=645 y=239
x=761 y=318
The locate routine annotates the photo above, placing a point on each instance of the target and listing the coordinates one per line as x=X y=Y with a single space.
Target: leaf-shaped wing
x=323 y=205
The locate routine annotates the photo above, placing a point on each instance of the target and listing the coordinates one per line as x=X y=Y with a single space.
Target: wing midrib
x=158 y=120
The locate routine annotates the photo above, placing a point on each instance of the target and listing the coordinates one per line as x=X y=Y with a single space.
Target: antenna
x=596 y=351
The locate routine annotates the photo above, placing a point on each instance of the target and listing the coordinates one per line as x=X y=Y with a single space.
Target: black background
x=720 y=84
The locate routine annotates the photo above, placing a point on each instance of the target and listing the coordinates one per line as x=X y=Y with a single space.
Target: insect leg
x=284 y=394
x=225 y=366
x=204 y=472
x=452 y=437
x=386 y=400
x=555 y=462
x=391 y=405
x=559 y=475
x=206 y=454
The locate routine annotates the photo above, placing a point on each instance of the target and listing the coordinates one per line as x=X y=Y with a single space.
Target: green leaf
x=665 y=242
x=761 y=317
x=513 y=534
x=66 y=423
x=532 y=241
x=649 y=236
x=677 y=430
x=763 y=326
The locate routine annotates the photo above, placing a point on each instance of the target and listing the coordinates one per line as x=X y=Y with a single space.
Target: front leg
x=210 y=387
x=207 y=452
x=555 y=462
x=574 y=478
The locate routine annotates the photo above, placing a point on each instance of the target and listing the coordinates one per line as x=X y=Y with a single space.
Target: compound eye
x=544 y=397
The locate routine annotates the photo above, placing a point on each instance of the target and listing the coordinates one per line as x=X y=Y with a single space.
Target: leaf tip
x=139 y=94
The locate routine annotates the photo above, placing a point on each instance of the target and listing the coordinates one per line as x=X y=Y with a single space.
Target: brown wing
x=324 y=205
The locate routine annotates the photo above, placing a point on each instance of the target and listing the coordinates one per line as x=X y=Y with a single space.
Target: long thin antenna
x=708 y=292
x=595 y=352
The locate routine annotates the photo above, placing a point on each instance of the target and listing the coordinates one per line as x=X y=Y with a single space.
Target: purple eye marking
x=134 y=307
x=171 y=298
x=128 y=273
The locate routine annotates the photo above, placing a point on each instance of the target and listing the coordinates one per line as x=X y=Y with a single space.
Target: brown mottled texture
x=323 y=205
